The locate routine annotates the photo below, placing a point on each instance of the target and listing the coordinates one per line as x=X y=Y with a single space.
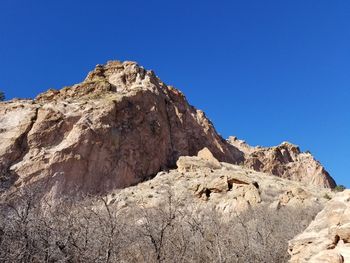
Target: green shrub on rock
x=339 y=188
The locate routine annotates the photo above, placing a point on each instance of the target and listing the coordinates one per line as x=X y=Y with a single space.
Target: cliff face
x=285 y=161
x=118 y=127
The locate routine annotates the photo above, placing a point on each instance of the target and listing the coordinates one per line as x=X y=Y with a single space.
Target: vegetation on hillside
x=83 y=232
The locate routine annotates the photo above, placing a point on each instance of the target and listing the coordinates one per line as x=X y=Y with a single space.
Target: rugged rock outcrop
x=327 y=238
x=118 y=127
x=286 y=161
x=206 y=184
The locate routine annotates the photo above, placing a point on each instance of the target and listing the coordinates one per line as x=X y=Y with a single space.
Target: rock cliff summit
x=120 y=126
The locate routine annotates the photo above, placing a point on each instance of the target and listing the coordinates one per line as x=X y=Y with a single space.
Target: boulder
x=204 y=159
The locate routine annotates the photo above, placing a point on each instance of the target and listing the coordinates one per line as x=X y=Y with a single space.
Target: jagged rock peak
x=112 y=68
x=112 y=77
x=245 y=146
x=285 y=160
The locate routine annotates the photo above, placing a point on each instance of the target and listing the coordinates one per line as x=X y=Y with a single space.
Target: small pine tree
x=2 y=96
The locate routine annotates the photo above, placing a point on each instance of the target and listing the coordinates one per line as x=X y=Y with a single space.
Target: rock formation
x=285 y=161
x=203 y=211
x=206 y=184
x=120 y=126
x=327 y=238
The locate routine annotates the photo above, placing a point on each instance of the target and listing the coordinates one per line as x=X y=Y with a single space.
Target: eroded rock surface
x=286 y=161
x=327 y=238
x=120 y=126
x=228 y=189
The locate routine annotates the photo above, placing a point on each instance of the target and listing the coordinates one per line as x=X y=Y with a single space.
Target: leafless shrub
x=96 y=231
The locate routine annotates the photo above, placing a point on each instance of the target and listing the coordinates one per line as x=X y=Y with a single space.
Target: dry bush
x=83 y=232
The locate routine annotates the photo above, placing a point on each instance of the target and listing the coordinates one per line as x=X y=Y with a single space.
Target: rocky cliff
x=285 y=161
x=118 y=127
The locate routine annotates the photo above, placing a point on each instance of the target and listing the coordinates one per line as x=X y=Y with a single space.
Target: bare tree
x=96 y=230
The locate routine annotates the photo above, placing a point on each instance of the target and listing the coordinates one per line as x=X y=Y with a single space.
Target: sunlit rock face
x=203 y=184
x=118 y=127
x=327 y=238
x=285 y=161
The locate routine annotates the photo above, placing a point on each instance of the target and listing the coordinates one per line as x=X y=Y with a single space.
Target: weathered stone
x=120 y=126
x=207 y=155
x=327 y=257
x=286 y=161
x=327 y=237
x=204 y=159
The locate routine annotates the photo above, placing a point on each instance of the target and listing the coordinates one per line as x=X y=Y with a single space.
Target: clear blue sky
x=265 y=71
